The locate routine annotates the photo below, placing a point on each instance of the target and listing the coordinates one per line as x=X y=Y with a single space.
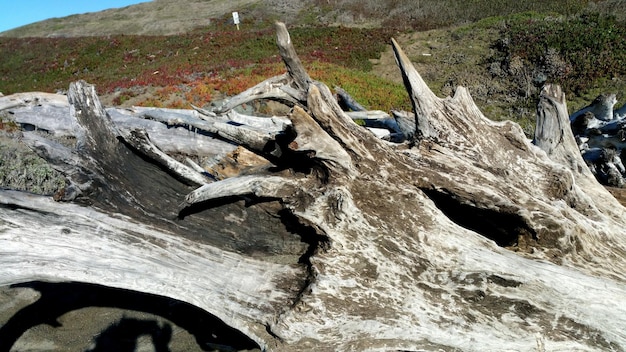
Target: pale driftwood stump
x=465 y=237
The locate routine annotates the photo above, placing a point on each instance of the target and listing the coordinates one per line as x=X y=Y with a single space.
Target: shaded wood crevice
x=503 y=227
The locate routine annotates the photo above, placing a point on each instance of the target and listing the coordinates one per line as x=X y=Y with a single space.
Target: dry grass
x=158 y=17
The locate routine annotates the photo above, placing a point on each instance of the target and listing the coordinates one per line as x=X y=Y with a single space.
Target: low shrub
x=578 y=53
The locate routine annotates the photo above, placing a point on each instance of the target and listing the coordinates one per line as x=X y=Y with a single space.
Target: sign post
x=236 y=19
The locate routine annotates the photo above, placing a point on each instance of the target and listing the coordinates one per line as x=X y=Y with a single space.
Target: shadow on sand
x=59 y=298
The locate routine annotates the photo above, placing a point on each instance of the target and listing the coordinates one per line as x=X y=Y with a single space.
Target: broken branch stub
x=86 y=107
x=315 y=142
x=553 y=133
x=296 y=71
x=451 y=121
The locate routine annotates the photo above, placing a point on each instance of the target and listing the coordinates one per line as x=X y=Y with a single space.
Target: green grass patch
x=50 y=64
x=371 y=91
x=192 y=68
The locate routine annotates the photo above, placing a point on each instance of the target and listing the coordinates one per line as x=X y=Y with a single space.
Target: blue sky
x=16 y=13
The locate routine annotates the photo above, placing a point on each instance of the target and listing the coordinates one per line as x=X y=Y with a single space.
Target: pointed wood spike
x=421 y=96
x=290 y=58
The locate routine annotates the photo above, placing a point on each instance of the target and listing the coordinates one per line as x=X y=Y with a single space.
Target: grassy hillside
x=501 y=51
x=157 y=17
x=166 y=17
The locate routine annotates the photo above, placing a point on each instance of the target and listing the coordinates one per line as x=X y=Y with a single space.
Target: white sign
x=236 y=17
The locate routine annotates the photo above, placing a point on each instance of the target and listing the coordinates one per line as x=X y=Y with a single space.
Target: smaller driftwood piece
x=601 y=136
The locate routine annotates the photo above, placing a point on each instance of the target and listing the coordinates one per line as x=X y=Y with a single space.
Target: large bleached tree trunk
x=466 y=236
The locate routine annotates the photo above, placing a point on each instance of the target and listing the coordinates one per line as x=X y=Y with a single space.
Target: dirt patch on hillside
x=461 y=56
x=504 y=85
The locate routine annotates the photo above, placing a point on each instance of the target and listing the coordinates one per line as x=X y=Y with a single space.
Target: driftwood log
x=464 y=237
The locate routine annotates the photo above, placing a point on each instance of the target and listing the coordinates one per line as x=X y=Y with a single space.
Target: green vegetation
x=371 y=91
x=228 y=61
x=21 y=169
x=578 y=53
x=585 y=54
